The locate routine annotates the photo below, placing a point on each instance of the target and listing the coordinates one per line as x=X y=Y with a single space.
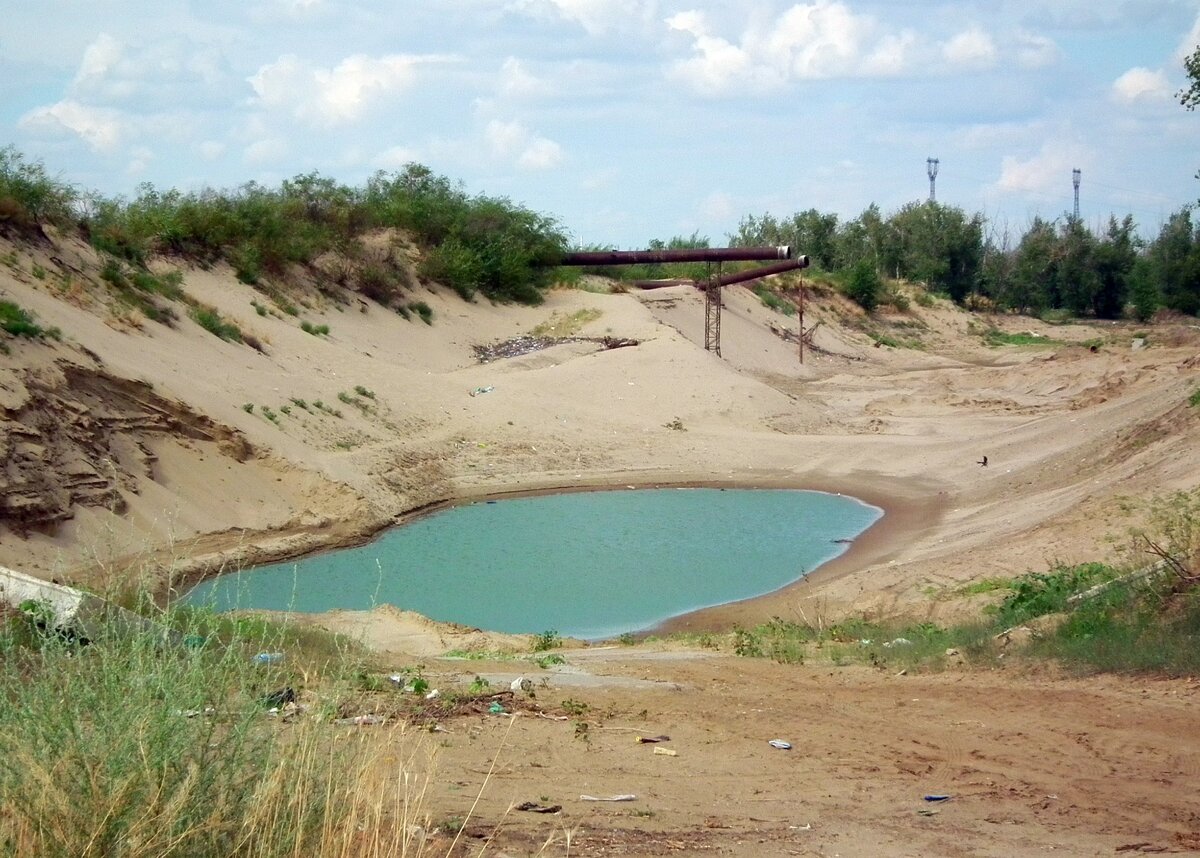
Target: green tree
x=1189 y=96
x=863 y=285
x=1075 y=277
x=1175 y=263
x=1113 y=259
x=936 y=245
x=1035 y=270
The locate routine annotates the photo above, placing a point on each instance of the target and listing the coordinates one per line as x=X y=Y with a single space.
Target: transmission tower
x=931 y=168
x=1076 y=175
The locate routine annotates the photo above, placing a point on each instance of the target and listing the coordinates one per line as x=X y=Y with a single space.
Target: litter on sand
x=666 y=752
x=645 y=740
x=533 y=807
x=361 y=721
x=780 y=744
x=485 y=389
x=937 y=797
x=622 y=797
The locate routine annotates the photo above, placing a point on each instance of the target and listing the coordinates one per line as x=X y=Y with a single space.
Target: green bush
x=423 y=310
x=863 y=285
x=209 y=319
x=1036 y=593
x=18 y=322
x=29 y=197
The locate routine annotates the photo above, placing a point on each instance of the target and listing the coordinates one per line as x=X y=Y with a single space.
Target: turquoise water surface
x=584 y=564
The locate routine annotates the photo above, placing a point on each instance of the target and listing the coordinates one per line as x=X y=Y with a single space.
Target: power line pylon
x=1076 y=175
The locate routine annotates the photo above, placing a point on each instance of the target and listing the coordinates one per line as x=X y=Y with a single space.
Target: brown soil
x=128 y=452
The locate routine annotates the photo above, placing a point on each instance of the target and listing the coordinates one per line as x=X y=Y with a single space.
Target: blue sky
x=625 y=119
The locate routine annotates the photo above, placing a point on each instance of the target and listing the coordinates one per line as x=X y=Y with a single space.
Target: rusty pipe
x=687 y=254
x=763 y=271
x=662 y=284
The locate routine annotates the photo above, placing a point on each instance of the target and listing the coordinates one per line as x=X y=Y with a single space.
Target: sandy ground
x=130 y=440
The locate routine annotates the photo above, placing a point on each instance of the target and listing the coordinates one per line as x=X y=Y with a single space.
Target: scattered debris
x=522 y=684
x=527 y=344
x=496 y=708
x=278 y=698
x=479 y=390
x=780 y=744
x=621 y=797
x=666 y=752
x=533 y=807
x=649 y=740
x=192 y=713
x=898 y=642
x=361 y=721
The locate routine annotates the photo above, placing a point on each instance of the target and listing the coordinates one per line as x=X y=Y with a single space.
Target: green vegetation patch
x=996 y=337
x=209 y=319
x=19 y=322
x=140 y=745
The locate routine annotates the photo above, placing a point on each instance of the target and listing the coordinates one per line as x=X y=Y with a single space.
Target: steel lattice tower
x=1076 y=175
x=931 y=168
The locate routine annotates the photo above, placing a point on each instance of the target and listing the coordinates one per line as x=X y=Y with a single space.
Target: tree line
x=478 y=244
x=1056 y=265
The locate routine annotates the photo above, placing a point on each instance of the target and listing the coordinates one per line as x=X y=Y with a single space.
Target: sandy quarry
x=127 y=445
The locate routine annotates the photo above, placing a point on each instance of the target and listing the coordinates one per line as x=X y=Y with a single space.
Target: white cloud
x=1045 y=173
x=211 y=150
x=808 y=41
x=505 y=138
x=1140 y=84
x=140 y=159
x=540 y=154
x=337 y=95
x=516 y=82
x=100 y=128
x=973 y=49
x=1036 y=52
x=513 y=141
x=396 y=157
x=265 y=152
x=597 y=17
x=99 y=58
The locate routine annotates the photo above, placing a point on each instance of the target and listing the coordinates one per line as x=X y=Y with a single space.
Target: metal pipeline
x=688 y=254
x=764 y=271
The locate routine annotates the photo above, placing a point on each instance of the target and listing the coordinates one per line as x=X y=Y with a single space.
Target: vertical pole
x=801 y=337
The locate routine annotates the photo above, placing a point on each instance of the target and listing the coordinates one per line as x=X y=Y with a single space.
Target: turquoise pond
x=585 y=564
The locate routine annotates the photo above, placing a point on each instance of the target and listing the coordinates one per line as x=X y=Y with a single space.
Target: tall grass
x=137 y=746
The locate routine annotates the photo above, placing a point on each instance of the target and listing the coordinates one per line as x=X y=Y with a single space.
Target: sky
x=625 y=120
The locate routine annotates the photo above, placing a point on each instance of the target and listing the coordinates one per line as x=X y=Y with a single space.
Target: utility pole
x=1076 y=175
x=931 y=168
